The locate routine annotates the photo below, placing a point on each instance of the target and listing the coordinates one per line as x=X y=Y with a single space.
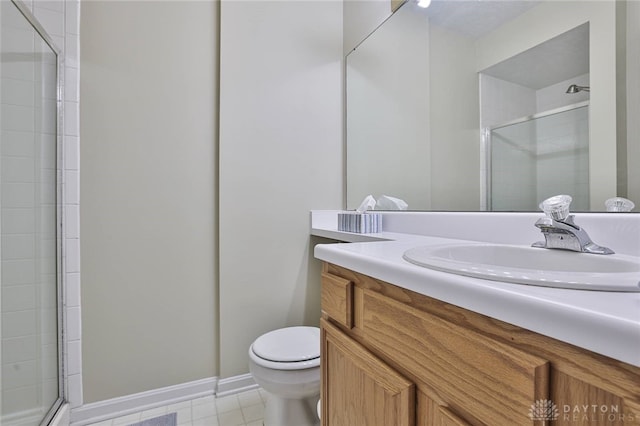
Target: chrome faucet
x=561 y=232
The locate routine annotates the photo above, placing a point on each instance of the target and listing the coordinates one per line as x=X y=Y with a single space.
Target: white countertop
x=607 y=323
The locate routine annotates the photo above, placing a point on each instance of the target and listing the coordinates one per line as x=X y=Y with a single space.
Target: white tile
x=53 y=5
x=20 y=399
x=18 y=92
x=17 y=221
x=71 y=112
x=20 y=374
x=18 y=169
x=71 y=84
x=19 y=324
x=103 y=423
x=72 y=289
x=19 y=348
x=74 y=357
x=199 y=411
x=18 y=298
x=71 y=153
x=73 y=323
x=250 y=398
x=231 y=418
x=72 y=221
x=253 y=412
x=204 y=412
x=71 y=49
x=15 y=272
x=18 y=246
x=207 y=421
x=74 y=393
x=18 y=118
x=204 y=400
x=72 y=23
x=18 y=143
x=71 y=187
x=18 y=195
x=227 y=403
x=183 y=411
x=178 y=406
x=72 y=254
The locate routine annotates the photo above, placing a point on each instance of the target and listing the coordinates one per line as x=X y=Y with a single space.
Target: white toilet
x=286 y=364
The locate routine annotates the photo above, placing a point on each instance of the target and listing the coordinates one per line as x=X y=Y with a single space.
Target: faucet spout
x=566 y=235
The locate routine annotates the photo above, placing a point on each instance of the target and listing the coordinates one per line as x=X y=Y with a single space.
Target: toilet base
x=291 y=412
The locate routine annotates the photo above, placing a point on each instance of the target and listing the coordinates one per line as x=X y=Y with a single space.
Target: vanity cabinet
x=394 y=357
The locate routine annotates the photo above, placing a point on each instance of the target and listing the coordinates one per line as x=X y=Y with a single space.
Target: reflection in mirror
x=466 y=105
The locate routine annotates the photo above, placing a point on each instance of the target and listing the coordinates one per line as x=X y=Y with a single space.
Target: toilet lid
x=291 y=344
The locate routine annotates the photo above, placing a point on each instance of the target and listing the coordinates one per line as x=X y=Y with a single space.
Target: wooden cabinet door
x=359 y=389
x=430 y=413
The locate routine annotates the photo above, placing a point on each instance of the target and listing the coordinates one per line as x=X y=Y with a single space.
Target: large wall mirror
x=496 y=105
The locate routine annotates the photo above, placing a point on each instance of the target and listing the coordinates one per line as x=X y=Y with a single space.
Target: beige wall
x=194 y=243
x=454 y=112
x=148 y=194
x=361 y=18
x=389 y=86
x=280 y=156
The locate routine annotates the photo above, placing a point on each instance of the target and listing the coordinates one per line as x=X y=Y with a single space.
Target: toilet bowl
x=286 y=364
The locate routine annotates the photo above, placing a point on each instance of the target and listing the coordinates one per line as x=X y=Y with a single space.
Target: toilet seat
x=291 y=348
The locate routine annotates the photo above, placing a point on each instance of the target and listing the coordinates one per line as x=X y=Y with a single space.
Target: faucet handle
x=619 y=204
x=556 y=207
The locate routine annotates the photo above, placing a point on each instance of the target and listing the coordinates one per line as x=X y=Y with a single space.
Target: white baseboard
x=235 y=384
x=98 y=411
x=103 y=410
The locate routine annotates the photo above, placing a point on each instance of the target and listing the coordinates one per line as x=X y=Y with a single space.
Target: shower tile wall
x=60 y=19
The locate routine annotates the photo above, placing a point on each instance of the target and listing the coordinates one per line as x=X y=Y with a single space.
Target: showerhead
x=574 y=88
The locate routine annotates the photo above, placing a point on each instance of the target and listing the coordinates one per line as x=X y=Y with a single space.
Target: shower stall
x=535 y=157
x=30 y=273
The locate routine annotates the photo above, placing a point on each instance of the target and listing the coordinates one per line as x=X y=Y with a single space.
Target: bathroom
x=196 y=137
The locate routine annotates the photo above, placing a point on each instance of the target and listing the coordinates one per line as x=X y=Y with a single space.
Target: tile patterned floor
x=243 y=409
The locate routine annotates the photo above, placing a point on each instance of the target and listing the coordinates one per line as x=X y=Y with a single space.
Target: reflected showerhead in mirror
x=424 y=3
x=574 y=88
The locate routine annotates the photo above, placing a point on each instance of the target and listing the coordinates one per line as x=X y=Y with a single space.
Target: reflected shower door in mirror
x=423 y=90
x=537 y=157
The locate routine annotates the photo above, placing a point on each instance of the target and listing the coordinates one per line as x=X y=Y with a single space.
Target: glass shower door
x=29 y=332
x=540 y=156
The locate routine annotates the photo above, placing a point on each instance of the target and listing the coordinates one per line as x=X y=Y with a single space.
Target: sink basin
x=532 y=266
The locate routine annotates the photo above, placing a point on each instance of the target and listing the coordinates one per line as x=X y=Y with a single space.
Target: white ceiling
x=561 y=58
x=475 y=18
x=558 y=59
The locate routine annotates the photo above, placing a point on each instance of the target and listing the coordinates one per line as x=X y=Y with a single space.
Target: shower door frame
x=485 y=159
x=61 y=344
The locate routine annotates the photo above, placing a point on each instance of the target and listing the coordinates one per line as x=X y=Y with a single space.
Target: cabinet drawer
x=337 y=299
x=474 y=375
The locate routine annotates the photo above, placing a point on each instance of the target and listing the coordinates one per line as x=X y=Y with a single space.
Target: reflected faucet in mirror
x=561 y=232
x=574 y=88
